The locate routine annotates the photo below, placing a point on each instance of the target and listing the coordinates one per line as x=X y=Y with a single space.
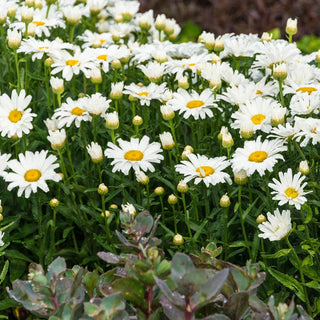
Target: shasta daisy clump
x=106 y=111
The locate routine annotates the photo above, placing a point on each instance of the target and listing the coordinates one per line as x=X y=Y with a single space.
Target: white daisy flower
x=146 y=93
x=72 y=111
x=72 y=64
x=289 y=189
x=135 y=154
x=283 y=133
x=201 y=168
x=258 y=112
x=15 y=119
x=275 y=52
x=309 y=129
x=193 y=104
x=258 y=156
x=305 y=103
x=57 y=138
x=277 y=227
x=153 y=71
x=94 y=39
x=31 y=172
x=129 y=208
x=97 y=105
x=40 y=47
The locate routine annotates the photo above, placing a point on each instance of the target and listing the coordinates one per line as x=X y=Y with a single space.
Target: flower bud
x=95 y=152
x=167 y=112
x=95 y=76
x=159 y=191
x=105 y=214
x=246 y=130
x=227 y=140
x=240 y=177
x=292 y=26
x=218 y=45
x=172 y=199
x=188 y=148
x=57 y=139
x=1 y=208
x=14 y=39
x=304 y=167
x=166 y=140
x=215 y=83
x=1 y=217
x=112 y=120
x=116 y=90
x=113 y=206
x=182 y=187
x=266 y=37
x=215 y=58
x=261 y=218
x=184 y=155
x=27 y=14
x=103 y=189
x=277 y=116
x=160 y=22
x=225 y=201
x=129 y=207
x=142 y=177
x=279 y=71
x=57 y=85
x=116 y=64
x=183 y=83
x=318 y=56
x=137 y=121
x=178 y=239
x=54 y=203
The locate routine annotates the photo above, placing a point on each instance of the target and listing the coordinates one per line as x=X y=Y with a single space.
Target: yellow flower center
x=314 y=130
x=259 y=92
x=258 y=118
x=291 y=193
x=258 y=156
x=72 y=62
x=32 y=175
x=102 y=57
x=133 y=155
x=306 y=89
x=38 y=23
x=102 y=41
x=195 y=104
x=41 y=48
x=188 y=65
x=205 y=171
x=144 y=93
x=15 y=115
x=77 y=111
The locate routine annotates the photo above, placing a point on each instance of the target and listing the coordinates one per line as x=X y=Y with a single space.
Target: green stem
x=225 y=238
x=17 y=70
x=186 y=215
x=174 y=219
x=281 y=93
x=301 y=274
x=242 y=222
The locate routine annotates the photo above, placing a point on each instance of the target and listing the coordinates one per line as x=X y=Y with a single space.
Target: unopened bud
x=159 y=191
x=113 y=206
x=279 y=71
x=218 y=45
x=142 y=177
x=105 y=214
x=261 y=218
x=227 y=140
x=246 y=130
x=183 y=83
x=137 y=121
x=225 y=201
x=116 y=64
x=240 y=177
x=172 y=199
x=182 y=187
x=54 y=203
x=304 y=167
x=167 y=112
x=102 y=189
x=292 y=26
x=266 y=37
x=178 y=239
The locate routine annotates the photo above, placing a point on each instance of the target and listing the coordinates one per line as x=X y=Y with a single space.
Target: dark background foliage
x=247 y=16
